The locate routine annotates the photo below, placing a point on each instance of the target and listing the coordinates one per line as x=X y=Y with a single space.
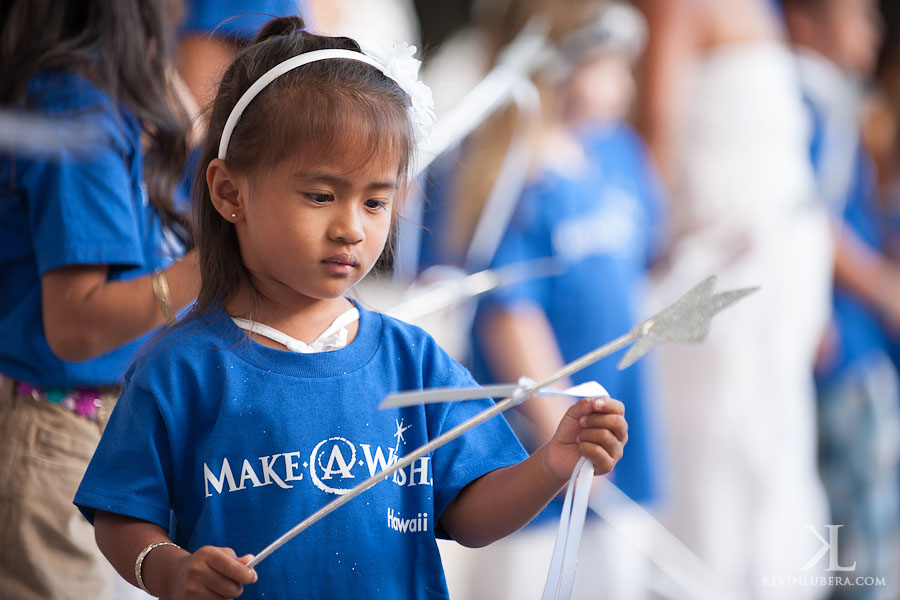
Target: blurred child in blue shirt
x=594 y=204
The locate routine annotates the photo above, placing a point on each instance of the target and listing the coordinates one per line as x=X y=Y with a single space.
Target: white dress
x=740 y=406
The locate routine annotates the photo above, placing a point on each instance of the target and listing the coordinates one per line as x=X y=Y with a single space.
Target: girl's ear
x=225 y=191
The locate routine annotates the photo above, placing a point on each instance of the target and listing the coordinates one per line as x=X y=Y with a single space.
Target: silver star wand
x=687 y=320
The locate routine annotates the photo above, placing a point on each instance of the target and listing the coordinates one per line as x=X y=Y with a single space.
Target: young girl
x=242 y=429
x=87 y=261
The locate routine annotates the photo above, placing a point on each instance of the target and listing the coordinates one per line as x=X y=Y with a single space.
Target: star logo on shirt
x=399 y=434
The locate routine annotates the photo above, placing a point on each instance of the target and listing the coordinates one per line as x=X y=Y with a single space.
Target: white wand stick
x=687 y=320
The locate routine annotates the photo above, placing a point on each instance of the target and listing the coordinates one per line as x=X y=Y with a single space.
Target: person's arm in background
x=868 y=274
x=518 y=341
x=514 y=333
x=671 y=43
x=85 y=315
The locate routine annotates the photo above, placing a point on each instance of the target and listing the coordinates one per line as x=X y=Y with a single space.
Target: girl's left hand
x=592 y=427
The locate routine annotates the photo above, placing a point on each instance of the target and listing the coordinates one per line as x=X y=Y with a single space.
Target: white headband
x=397 y=63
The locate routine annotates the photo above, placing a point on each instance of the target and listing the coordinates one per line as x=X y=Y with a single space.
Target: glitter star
x=687 y=320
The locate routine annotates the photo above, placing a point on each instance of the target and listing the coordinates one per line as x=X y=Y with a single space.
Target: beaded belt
x=85 y=402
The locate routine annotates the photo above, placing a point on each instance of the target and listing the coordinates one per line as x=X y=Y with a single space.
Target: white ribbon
x=561 y=577
x=518 y=391
x=333 y=338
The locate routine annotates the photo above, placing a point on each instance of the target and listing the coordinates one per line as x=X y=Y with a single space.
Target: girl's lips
x=341 y=264
x=342 y=259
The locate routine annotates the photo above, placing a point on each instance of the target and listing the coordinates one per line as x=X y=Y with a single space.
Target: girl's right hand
x=213 y=572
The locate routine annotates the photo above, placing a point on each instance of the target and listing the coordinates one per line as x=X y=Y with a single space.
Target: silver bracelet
x=139 y=563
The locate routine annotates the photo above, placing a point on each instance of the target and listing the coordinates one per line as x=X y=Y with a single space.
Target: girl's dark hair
x=332 y=107
x=124 y=47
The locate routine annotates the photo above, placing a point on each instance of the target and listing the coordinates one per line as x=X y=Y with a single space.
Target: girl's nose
x=346 y=226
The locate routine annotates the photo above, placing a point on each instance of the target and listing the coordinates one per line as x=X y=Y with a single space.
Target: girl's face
x=601 y=89
x=312 y=227
x=850 y=33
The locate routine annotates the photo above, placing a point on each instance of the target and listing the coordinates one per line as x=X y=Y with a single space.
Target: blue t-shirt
x=240 y=19
x=243 y=442
x=81 y=204
x=602 y=227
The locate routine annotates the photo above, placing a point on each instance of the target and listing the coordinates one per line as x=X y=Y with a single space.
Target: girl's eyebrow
x=343 y=182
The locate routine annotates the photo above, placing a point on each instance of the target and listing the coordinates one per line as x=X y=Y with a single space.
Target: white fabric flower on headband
x=399 y=63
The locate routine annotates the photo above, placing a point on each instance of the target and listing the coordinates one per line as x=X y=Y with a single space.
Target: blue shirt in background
x=72 y=205
x=603 y=228
x=239 y=19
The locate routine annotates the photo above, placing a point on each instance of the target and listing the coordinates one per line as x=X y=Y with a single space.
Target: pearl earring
x=233 y=216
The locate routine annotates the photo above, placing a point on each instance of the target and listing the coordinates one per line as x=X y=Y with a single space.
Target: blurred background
x=592 y=161
x=637 y=148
